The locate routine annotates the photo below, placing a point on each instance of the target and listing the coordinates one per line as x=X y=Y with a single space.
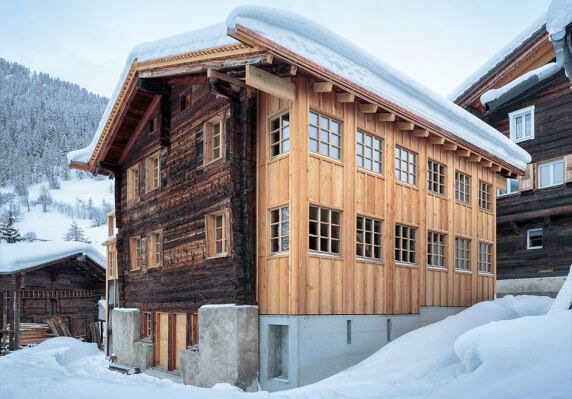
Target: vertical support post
x=17 y=312
x=170 y=332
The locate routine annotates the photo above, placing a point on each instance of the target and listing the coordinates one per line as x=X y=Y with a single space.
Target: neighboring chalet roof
x=24 y=256
x=328 y=56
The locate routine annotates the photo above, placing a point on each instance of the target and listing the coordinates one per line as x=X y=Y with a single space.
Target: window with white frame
x=534 y=239
x=551 y=173
x=511 y=188
x=522 y=124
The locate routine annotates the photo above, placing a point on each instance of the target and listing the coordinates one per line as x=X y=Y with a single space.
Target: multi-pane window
x=405 y=247
x=135 y=252
x=220 y=240
x=280 y=135
x=534 y=239
x=147 y=325
x=485 y=195
x=435 y=249
x=462 y=187
x=153 y=172
x=216 y=140
x=213 y=132
x=551 y=173
x=435 y=177
x=485 y=257
x=462 y=254
x=324 y=230
x=280 y=229
x=522 y=124
x=405 y=166
x=511 y=187
x=368 y=237
x=133 y=182
x=111 y=263
x=155 y=247
x=325 y=136
x=369 y=152
x=217 y=234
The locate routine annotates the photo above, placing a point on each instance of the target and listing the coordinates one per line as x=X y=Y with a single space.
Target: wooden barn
x=525 y=94
x=45 y=283
x=250 y=170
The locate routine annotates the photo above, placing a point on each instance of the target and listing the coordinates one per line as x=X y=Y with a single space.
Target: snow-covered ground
x=514 y=347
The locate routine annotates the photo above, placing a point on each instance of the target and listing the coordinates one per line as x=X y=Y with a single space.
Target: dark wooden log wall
x=545 y=208
x=189 y=191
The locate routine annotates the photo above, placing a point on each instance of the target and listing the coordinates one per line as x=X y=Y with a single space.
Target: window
x=369 y=154
x=435 y=249
x=280 y=135
x=133 y=183
x=435 y=177
x=522 y=124
x=213 y=139
x=511 y=187
x=405 y=166
x=147 y=325
x=153 y=172
x=110 y=263
x=368 y=237
x=155 y=243
x=404 y=244
x=278 y=352
x=485 y=257
x=217 y=234
x=462 y=254
x=551 y=173
x=325 y=136
x=534 y=239
x=485 y=195
x=135 y=252
x=152 y=124
x=185 y=101
x=324 y=230
x=279 y=229
x=462 y=187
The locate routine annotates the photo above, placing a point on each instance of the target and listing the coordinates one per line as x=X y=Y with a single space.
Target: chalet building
x=348 y=203
x=525 y=94
x=43 y=281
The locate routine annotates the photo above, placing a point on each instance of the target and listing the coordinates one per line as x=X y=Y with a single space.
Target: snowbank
x=563 y=300
x=559 y=16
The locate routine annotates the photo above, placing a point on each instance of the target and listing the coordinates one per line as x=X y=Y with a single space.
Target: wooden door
x=162 y=341
x=180 y=338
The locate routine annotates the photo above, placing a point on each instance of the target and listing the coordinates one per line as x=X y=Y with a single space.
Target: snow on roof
x=210 y=37
x=26 y=255
x=327 y=49
x=498 y=57
x=559 y=16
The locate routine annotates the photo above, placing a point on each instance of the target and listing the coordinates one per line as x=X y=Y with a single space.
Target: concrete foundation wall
x=548 y=286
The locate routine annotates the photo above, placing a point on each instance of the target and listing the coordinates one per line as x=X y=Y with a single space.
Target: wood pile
x=58 y=327
x=34 y=333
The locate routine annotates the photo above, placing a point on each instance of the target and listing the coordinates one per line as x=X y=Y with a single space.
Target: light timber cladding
x=303 y=281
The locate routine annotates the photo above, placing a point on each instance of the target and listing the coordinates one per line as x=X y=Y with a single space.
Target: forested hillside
x=41 y=119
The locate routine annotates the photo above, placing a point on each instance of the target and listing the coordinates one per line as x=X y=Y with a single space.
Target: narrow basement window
x=278 y=351
x=534 y=239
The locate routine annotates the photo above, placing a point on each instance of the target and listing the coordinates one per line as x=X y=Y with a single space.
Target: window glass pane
x=324 y=136
x=359 y=137
x=544 y=175
x=324 y=149
x=335 y=153
x=286 y=132
x=528 y=125
x=518 y=127
x=558 y=173
x=313 y=118
x=275 y=124
x=335 y=127
x=335 y=140
x=313 y=145
x=313 y=132
x=286 y=119
x=286 y=145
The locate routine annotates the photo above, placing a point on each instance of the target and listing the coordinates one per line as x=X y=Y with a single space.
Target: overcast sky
x=439 y=42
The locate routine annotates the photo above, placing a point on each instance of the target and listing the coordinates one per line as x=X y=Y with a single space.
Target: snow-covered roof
x=27 y=255
x=559 y=16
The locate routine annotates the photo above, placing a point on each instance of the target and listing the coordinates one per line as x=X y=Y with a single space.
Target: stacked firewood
x=34 y=333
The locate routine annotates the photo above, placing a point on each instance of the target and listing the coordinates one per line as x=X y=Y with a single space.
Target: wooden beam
x=17 y=311
x=322 y=87
x=345 y=97
x=486 y=163
x=420 y=132
x=214 y=74
x=139 y=128
x=269 y=83
x=405 y=125
x=474 y=158
x=496 y=168
x=368 y=108
x=293 y=70
x=450 y=146
x=269 y=58
x=463 y=153
x=386 y=117
x=437 y=140
x=152 y=86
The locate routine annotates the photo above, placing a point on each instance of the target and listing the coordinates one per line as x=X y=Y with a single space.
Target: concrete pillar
x=126 y=331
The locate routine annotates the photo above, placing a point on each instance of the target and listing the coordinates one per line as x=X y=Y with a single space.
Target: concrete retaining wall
x=548 y=286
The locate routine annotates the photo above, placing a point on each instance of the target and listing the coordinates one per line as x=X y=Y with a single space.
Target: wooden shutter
x=568 y=165
x=526 y=182
x=144 y=251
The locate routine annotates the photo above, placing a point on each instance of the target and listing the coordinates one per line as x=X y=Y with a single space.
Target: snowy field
x=514 y=347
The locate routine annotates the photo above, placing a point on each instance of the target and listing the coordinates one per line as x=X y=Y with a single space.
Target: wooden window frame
x=485 y=196
x=110 y=263
x=316 y=131
x=399 y=162
x=279 y=230
x=462 y=187
x=362 y=138
x=409 y=250
x=185 y=102
x=551 y=165
x=133 y=183
x=153 y=173
x=436 y=179
x=462 y=254
x=153 y=250
x=508 y=191
x=485 y=257
x=521 y=113
x=147 y=326
x=375 y=235
x=283 y=142
x=209 y=139
x=325 y=231
x=436 y=240
x=211 y=230
x=152 y=124
x=135 y=253
x=528 y=234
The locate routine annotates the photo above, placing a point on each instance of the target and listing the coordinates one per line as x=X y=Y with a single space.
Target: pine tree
x=75 y=233
x=8 y=232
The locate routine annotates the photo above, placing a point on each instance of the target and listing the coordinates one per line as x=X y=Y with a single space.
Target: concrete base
x=542 y=286
x=307 y=349
x=144 y=354
x=127 y=331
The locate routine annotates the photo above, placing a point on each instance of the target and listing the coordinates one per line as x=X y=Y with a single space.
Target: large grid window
x=435 y=177
x=485 y=190
x=462 y=187
x=280 y=229
x=368 y=237
x=405 y=166
x=324 y=230
x=325 y=136
x=369 y=153
x=462 y=254
x=485 y=257
x=405 y=247
x=435 y=249
x=280 y=135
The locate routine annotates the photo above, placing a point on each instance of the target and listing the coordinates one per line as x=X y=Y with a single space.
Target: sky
x=438 y=43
